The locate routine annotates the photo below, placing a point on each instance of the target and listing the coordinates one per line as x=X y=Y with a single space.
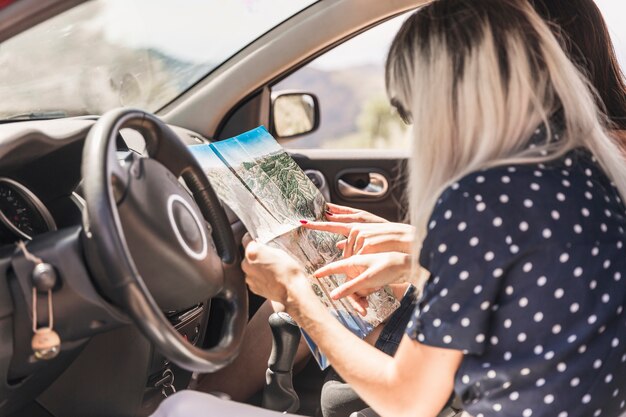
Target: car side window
x=349 y=83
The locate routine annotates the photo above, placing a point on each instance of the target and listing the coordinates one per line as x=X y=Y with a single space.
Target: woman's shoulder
x=503 y=187
x=572 y=178
x=569 y=198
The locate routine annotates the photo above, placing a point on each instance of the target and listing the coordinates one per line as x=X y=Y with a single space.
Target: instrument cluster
x=22 y=213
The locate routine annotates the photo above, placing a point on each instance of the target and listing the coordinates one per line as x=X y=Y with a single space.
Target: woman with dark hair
x=585 y=37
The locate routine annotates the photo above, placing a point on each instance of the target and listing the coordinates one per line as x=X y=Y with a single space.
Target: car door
x=357 y=155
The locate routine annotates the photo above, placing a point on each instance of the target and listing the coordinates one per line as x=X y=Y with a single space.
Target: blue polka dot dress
x=528 y=279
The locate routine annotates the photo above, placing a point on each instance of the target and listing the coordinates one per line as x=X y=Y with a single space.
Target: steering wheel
x=151 y=246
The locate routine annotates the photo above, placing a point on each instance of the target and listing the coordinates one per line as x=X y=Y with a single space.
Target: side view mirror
x=293 y=114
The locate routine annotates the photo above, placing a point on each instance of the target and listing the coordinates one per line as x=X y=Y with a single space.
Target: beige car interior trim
x=315 y=29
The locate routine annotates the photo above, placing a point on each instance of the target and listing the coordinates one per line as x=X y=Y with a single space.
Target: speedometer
x=22 y=212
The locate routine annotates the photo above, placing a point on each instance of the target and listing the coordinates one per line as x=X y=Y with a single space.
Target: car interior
x=110 y=233
x=101 y=202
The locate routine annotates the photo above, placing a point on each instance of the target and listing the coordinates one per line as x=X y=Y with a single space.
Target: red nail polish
x=304 y=221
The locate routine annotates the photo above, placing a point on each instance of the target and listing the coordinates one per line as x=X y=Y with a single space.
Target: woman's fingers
x=245 y=241
x=352 y=286
x=332 y=227
x=334 y=209
x=348 y=249
x=359 y=304
x=379 y=244
x=246 y=267
x=343 y=214
x=341 y=244
x=346 y=218
x=338 y=267
x=252 y=251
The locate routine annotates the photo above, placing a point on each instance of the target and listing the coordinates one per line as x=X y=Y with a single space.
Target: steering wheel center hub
x=187 y=227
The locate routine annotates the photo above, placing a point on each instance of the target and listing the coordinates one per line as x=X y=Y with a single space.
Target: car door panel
x=345 y=166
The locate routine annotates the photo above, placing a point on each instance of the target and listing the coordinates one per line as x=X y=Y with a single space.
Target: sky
x=192 y=30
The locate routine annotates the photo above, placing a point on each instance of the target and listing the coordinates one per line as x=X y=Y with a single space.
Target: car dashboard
x=40 y=163
x=40 y=192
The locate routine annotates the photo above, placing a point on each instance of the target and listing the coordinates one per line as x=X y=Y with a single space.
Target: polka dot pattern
x=532 y=274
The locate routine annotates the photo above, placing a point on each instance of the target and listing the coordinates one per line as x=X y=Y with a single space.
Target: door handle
x=377 y=187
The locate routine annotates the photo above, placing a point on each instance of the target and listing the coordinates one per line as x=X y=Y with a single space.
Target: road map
x=254 y=176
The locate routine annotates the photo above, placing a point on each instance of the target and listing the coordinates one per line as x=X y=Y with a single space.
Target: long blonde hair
x=478 y=77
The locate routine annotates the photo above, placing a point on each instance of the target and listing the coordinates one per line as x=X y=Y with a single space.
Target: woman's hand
x=343 y=214
x=269 y=271
x=366 y=274
x=367 y=238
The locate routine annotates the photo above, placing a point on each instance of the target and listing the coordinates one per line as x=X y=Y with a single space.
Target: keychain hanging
x=46 y=343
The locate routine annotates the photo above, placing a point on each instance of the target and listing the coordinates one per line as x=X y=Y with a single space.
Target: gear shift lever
x=279 y=394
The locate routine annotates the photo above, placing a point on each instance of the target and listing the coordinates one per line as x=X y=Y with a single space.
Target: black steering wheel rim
x=109 y=255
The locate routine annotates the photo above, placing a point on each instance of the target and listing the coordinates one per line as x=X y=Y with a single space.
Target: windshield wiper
x=53 y=114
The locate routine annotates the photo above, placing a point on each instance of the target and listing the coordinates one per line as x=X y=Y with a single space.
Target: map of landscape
x=267 y=190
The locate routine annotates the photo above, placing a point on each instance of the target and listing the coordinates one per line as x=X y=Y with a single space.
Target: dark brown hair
x=584 y=35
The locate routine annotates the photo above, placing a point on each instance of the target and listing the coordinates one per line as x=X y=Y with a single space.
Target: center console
x=165 y=378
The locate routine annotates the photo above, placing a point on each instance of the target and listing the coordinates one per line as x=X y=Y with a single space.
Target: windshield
x=142 y=53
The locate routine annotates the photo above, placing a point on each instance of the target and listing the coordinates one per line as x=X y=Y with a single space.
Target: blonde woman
x=590 y=343
x=584 y=36
x=516 y=199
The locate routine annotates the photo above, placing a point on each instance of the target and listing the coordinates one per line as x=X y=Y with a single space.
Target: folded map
x=254 y=176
